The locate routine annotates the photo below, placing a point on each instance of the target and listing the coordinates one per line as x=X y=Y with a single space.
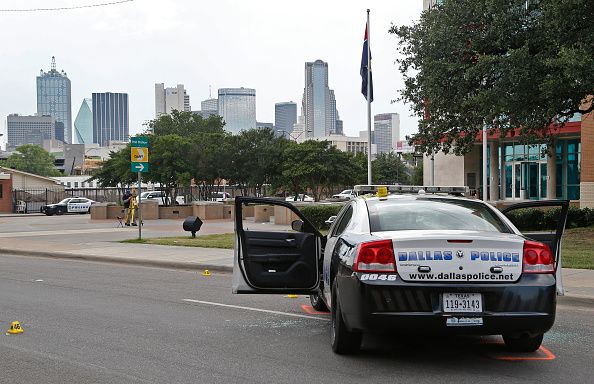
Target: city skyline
x=134 y=62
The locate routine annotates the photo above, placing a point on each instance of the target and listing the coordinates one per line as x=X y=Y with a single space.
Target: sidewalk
x=77 y=237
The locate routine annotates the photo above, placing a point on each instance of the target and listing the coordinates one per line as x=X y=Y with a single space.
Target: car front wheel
x=60 y=211
x=343 y=341
x=524 y=343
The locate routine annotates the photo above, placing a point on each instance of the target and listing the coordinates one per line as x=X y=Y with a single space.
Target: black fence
x=30 y=200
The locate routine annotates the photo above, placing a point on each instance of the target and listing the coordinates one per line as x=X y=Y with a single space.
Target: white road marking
x=255 y=309
x=38 y=280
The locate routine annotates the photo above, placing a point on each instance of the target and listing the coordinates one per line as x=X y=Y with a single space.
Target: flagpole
x=369 y=178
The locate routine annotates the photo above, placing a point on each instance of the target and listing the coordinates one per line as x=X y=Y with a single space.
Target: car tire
x=523 y=343
x=317 y=303
x=343 y=341
x=59 y=211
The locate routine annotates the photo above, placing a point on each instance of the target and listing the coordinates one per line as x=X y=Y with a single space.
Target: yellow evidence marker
x=292 y=296
x=206 y=272
x=15 y=328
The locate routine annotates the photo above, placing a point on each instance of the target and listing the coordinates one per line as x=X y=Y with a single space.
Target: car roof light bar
x=419 y=189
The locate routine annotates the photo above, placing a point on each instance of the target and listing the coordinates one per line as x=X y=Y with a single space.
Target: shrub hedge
x=318 y=214
x=534 y=219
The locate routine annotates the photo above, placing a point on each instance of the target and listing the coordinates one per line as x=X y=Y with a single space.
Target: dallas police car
x=68 y=205
x=419 y=259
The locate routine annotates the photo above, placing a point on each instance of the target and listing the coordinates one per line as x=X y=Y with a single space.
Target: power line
x=65 y=8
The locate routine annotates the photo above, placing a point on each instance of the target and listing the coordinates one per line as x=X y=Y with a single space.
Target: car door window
x=343 y=221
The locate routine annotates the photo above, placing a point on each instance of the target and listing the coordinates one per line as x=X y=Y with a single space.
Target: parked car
x=346 y=194
x=220 y=196
x=69 y=205
x=301 y=197
x=159 y=196
x=418 y=262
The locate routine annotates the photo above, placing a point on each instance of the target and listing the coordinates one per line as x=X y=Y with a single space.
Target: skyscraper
x=29 y=129
x=237 y=107
x=386 y=131
x=168 y=99
x=110 y=117
x=53 y=98
x=319 y=102
x=209 y=105
x=83 y=124
x=285 y=116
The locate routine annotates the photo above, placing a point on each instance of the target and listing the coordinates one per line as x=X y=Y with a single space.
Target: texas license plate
x=462 y=302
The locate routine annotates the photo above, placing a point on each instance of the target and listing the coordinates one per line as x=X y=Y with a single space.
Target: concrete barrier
x=228 y=211
x=113 y=211
x=208 y=210
x=262 y=213
x=150 y=209
x=176 y=212
x=284 y=216
x=99 y=211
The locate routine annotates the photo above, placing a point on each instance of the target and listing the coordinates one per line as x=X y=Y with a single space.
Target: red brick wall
x=6 y=199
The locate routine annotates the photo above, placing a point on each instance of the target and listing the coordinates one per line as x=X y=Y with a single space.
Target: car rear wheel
x=343 y=341
x=523 y=343
x=317 y=303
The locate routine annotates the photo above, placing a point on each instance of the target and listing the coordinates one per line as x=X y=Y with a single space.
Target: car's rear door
x=270 y=257
x=543 y=221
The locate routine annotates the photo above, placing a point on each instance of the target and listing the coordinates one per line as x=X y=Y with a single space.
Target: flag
x=364 y=64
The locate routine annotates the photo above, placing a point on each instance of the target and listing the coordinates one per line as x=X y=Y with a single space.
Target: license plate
x=462 y=302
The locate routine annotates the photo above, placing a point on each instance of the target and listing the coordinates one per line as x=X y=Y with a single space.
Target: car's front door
x=543 y=221
x=271 y=257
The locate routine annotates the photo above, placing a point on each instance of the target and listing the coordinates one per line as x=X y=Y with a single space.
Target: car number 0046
x=462 y=302
x=375 y=276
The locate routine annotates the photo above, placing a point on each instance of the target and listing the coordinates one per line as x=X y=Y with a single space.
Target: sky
x=261 y=44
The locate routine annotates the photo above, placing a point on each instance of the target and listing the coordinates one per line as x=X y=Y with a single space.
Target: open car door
x=272 y=257
x=543 y=221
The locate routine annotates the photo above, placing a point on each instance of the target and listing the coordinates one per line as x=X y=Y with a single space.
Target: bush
x=534 y=219
x=318 y=214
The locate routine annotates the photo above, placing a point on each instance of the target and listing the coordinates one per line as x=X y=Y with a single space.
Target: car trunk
x=456 y=256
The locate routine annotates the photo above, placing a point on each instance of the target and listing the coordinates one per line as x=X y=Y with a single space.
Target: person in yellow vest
x=131 y=205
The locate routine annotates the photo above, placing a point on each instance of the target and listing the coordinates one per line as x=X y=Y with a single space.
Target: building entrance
x=526 y=180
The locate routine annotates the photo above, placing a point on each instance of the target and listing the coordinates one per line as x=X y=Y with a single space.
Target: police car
x=411 y=259
x=69 y=205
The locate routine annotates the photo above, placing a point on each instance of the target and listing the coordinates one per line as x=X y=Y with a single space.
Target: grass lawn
x=577 y=247
x=223 y=240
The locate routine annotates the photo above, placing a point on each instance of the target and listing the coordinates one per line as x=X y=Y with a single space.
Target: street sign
x=139 y=154
x=139 y=167
x=139 y=142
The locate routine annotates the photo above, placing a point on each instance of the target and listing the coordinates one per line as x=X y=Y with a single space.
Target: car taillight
x=375 y=256
x=538 y=258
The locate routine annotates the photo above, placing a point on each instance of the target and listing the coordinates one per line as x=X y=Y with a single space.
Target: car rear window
x=431 y=214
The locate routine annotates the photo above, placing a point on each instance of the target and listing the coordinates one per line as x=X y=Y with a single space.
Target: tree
x=389 y=169
x=499 y=64
x=33 y=159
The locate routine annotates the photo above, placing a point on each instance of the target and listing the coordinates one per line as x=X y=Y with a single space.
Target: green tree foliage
x=116 y=170
x=389 y=169
x=33 y=159
x=496 y=63
x=317 y=165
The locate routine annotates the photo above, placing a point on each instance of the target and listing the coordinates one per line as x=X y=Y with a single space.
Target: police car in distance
x=418 y=259
x=69 y=205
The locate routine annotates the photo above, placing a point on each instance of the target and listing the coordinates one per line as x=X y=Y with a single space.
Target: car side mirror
x=330 y=220
x=297 y=225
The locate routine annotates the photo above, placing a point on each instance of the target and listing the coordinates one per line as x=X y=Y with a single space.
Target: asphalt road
x=91 y=322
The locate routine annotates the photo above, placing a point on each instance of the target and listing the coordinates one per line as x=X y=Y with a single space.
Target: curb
x=120 y=260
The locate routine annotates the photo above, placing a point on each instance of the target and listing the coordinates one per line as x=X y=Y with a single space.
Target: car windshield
x=65 y=201
x=432 y=214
